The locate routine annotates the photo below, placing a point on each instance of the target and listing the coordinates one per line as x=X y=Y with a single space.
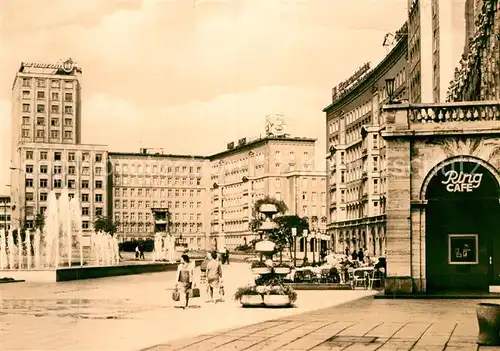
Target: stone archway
x=462 y=225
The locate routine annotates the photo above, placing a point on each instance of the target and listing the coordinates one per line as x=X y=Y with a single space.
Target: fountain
x=45 y=252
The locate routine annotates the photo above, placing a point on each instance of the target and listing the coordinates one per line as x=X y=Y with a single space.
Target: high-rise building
x=435 y=45
x=280 y=167
x=142 y=181
x=356 y=161
x=47 y=153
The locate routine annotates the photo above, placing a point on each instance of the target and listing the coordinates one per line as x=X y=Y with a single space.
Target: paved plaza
x=364 y=324
x=130 y=312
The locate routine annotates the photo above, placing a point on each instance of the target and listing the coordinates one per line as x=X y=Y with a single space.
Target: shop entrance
x=463 y=229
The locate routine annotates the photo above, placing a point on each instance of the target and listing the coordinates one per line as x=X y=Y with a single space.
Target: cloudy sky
x=190 y=76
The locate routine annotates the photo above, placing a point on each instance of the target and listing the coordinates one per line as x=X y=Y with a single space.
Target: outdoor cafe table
x=315 y=270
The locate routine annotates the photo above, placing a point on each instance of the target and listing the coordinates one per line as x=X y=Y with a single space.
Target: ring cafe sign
x=343 y=86
x=462 y=182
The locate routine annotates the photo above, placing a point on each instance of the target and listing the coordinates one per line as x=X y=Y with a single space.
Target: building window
x=85 y=197
x=85 y=211
x=68 y=134
x=29 y=196
x=71 y=184
x=98 y=184
x=43 y=155
x=68 y=122
x=43 y=169
x=43 y=183
x=43 y=196
x=40 y=95
x=26 y=82
x=29 y=169
x=68 y=84
x=29 y=155
x=40 y=134
x=342 y=176
x=98 y=211
x=25 y=133
x=85 y=184
x=342 y=196
x=55 y=96
x=26 y=121
x=54 y=134
x=57 y=169
x=55 y=83
x=98 y=197
x=40 y=121
x=98 y=157
x=304 y=196
x=40 y=83
x=68 y=110
x=57 y=183
x=28 y=183
x=54 y=108
x=57 y=156
x=54 y=122
x=68 y=97
x=98 y=171
x=85 y=224
x=40 y=108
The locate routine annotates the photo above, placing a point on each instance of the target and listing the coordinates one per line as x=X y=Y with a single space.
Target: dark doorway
x=462 y=228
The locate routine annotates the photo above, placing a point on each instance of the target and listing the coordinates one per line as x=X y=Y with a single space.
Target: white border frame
x=476 y=236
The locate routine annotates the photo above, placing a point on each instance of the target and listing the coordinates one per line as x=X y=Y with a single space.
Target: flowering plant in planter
x=245 y=290
x=259 y=264
x=282 y=290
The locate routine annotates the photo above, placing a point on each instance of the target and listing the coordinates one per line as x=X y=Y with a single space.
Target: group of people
x=210 y=276
x=139 y=252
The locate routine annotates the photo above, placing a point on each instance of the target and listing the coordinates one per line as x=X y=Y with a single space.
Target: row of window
x=40 y=95
x=44 y=169
x=54 y=122
x=42 y=83
x=140 y=169
x=58 y=156
x=40 y=108
x=43 y=196
x=163 y=204
x=70 y=183
x=156 y=192
x=139 y=179
x=40 y=133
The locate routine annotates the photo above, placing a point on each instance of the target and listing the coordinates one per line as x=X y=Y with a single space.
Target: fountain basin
x=88 y=272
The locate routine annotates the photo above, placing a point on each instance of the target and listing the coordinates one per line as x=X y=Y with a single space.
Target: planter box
x=277 y=300
x=488 y=318
x=282 y=270
x=261 y=270
x=265 y=246
x=251 y=300
x=268 y=208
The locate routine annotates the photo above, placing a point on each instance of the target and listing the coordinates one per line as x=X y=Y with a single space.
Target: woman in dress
x=184 y=280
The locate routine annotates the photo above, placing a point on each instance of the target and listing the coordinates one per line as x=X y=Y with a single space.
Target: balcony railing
x=468 y=111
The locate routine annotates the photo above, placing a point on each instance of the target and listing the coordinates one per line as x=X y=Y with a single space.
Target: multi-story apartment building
x=142 y=181
x=5 y=212
x=45 y=167
x=435 y=45
x=281 y=167
x=356 y=166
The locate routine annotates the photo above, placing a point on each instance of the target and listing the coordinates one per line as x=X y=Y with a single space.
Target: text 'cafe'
x=443 y=205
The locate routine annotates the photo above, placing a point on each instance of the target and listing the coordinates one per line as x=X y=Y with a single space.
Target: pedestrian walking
x=214 y=276
x=184 y=280
x=137 y=252
x=203 y=275
x=141 y=251
x=226 y=254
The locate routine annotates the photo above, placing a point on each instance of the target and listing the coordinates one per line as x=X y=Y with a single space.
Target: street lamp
x=294 y=239
x=390 y=85
x=304 y=234
x=313 y=241
x=23 y=207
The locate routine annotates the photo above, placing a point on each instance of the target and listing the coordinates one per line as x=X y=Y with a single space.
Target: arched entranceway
x=462 y=227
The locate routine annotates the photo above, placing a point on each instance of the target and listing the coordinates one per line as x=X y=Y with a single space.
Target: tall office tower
x=46 y=119
x=435 y=46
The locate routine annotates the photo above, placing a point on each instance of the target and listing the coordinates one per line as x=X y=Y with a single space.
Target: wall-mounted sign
x=275 y=125
x=343 y=86
x=461 y=182
x=463 y=249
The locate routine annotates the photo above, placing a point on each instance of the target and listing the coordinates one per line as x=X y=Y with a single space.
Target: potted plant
x=279 y=296
x=488 y=318
x=282 y=268
x=260 y=267
x=248 y=296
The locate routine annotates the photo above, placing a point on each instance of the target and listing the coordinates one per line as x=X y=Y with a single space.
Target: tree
x=105 y=224
x=282 y=236
x=39 y=221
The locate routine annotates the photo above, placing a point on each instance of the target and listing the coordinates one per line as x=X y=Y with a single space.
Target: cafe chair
x=358 y=279
x=375 y=276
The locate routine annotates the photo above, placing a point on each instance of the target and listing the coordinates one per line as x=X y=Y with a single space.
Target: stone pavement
x=364 y=324
x=129 y=312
